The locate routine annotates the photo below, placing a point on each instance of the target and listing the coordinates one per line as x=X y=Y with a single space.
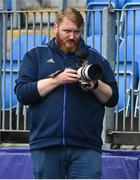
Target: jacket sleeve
x=115 y=96
x=109 y=78
x=26 y=83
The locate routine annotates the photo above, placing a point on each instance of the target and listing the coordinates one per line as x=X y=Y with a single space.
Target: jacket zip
x=64 y=114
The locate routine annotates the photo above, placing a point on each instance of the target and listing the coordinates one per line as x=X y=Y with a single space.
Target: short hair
x=71 y=14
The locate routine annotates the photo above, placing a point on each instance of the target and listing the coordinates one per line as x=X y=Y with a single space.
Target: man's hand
x=47 y=85
x=67 y=76
x=89 y=86
x=103 y=91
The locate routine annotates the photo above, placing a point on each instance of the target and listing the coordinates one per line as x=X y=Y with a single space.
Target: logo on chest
x=50 y=60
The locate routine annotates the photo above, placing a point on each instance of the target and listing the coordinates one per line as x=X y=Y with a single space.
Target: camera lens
x=94 y=72
x=90 y=72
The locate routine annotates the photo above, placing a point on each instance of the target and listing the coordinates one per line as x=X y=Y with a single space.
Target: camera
x=87 y=72
x=91 y=72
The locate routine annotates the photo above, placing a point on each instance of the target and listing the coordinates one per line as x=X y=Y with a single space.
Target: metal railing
x=20 y=31
x=26 y=29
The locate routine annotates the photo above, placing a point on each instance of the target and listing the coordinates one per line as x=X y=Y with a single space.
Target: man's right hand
x=67 y=76
x=47 y=85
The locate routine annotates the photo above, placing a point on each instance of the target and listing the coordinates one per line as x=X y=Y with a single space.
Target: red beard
x=68 y=46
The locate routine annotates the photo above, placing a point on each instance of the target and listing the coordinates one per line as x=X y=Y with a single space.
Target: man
x=65 y=117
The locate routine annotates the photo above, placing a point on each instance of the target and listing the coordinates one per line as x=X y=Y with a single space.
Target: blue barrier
x=16 y=163
x=116 y=164
x=119 y=164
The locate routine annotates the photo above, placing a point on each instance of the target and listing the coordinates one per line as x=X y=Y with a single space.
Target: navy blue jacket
x=68 y=115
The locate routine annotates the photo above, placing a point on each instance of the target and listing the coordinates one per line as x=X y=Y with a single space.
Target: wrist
x=96 y=84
